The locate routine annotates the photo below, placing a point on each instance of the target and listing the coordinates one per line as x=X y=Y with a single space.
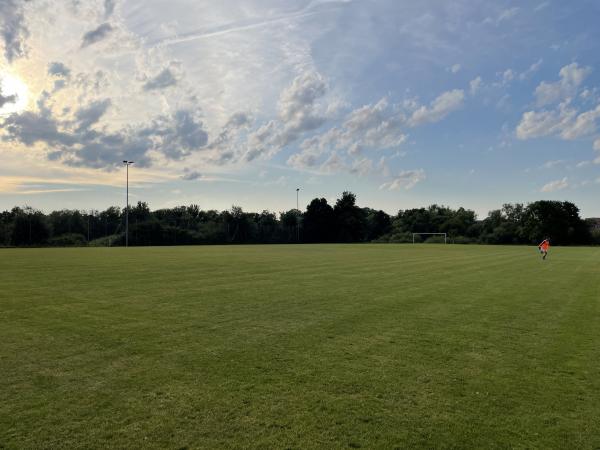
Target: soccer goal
x=438 y=234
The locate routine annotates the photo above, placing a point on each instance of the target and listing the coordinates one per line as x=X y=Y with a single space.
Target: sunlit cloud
x=367 y=96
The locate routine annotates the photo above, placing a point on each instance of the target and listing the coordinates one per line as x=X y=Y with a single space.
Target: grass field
x=330 y=346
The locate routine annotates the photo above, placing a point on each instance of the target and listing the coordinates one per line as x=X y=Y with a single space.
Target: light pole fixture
x=127 y=164
x=297 y=216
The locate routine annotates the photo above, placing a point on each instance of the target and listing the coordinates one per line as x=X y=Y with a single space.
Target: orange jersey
x=545 y=245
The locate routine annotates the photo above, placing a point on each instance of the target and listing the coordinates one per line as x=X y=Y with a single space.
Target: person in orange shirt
x=544 y=246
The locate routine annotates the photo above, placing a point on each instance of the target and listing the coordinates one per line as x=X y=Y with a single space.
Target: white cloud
x=532 y=69
x=257 y=57
x=373 y=127
x=97 y=34
x=334 y=164
x=504 y=15
x=475 y=85
x=406 y=179
x=507 y=76
x=564 y=122
x=6 y=99
x=584 y=125
x=439 y=108
x=58 y=69
x=190 y=175
x=571 y=77
x=81 y=140
x=597 y=145
x=14 y=29
x=573 y=74
x=109 y=8
x=507 y=14
x=299 y=112
x=362 y=167
x=455 y=68
x=309 y=156
x=565 y=119
x=298 y=103
x=383 y=167
x=411 y=104
x=553 y=163
x=590 y=95
x=504 y=102
x=541 y=6
x=281 y=181
x=167 y=77
x=545 y=123
x=556 y=185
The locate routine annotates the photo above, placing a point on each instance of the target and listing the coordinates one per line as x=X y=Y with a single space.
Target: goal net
x=430 y=234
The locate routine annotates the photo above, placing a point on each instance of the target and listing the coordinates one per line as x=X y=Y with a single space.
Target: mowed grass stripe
x=300 y=346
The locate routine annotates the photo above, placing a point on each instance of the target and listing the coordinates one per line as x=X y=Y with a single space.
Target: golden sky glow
x=463 y=103
x=12 y=85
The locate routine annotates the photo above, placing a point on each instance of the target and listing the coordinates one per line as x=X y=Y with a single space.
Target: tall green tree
x=291 y=224
x=267 y=227
x=378 y=223
x=351 y=223
x=319 y=221
x=67 y=222
x=559 y=221
x=30 y=228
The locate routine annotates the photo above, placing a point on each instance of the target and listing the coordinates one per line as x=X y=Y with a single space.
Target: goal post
x=438 y=234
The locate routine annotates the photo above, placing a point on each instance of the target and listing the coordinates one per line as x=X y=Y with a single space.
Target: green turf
x=330 y=346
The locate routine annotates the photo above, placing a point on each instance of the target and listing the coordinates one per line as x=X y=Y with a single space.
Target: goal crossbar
x=438 y=234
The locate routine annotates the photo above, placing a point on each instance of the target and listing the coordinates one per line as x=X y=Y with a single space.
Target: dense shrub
x=68 y=240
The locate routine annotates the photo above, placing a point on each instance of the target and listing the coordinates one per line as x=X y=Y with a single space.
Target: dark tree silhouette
x=319 y=221
x=350 y=219
x=345 y=222
x=30 y=227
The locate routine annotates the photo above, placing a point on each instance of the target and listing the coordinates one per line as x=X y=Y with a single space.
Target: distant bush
x=385 y=239
x=402 y=238
x=152 y=232
x=434 y=240
x=68 y=240
x=462 y=240
x=108 y=241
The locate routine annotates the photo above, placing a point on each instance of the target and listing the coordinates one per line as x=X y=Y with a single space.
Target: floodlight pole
x=297 y=215
x=127 y=164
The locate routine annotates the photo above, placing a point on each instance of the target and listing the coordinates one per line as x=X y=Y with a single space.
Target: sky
x=466 y=103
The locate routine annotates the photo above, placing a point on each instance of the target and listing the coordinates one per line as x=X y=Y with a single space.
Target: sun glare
x=14 y=94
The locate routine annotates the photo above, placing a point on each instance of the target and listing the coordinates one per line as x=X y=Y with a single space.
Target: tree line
x=321 y=222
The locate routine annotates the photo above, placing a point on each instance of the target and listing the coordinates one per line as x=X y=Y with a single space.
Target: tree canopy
x=345 y=221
